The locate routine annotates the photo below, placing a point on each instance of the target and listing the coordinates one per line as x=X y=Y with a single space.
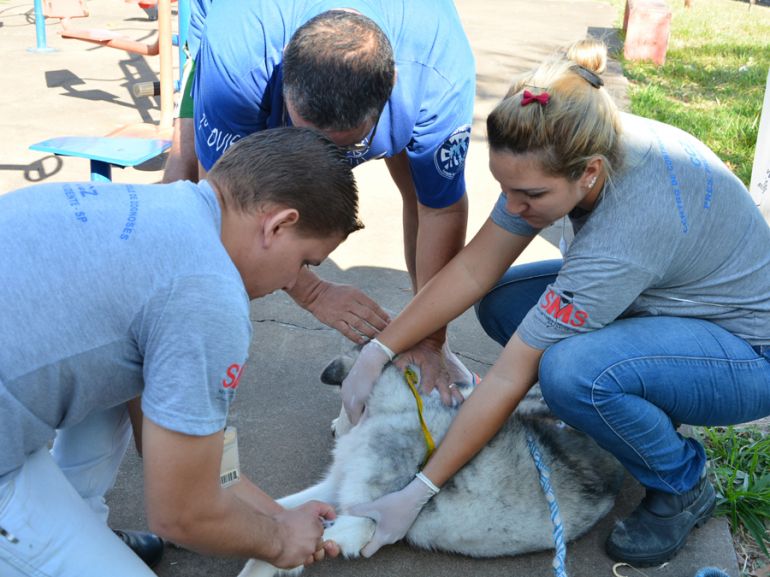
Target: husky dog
x=493 y=506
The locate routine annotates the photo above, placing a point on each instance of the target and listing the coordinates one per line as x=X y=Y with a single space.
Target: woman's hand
x=358 y=385
x=395 y=513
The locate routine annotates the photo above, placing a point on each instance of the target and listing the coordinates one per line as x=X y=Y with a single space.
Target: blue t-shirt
x=111 y=291
x=198 y=11
x=238 y=83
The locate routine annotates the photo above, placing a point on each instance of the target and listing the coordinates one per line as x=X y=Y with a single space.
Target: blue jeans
x=629 y=384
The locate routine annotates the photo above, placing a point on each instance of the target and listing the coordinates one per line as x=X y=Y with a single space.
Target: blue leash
x=559 y=560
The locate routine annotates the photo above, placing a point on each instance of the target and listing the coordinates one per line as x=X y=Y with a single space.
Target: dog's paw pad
x=351 y=533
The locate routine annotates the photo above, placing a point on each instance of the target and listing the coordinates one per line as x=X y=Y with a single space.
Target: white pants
x=53 y=518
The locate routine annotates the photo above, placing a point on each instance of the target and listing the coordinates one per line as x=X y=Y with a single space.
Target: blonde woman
x=658 y=314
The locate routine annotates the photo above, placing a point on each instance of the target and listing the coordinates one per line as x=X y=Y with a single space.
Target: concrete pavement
x=282 y=411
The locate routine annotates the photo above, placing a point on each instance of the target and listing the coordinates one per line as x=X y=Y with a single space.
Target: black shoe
x=659 y=526
x=147 y=546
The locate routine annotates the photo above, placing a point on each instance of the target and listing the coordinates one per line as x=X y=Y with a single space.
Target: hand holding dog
x=300 y=535
x=359 y=383
x=439 y=369
x=394 y=513
x=342 y=307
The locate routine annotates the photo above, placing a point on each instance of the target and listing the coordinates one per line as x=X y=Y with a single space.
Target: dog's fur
x=493 y=506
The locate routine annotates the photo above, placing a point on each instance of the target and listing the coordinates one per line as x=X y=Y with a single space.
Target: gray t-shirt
x=110 y=291
x=675 y=233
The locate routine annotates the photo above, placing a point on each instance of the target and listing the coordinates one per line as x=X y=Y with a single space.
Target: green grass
x=740 y=470
x=713 y=82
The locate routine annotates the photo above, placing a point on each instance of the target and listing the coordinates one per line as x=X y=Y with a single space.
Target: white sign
x=760 y=173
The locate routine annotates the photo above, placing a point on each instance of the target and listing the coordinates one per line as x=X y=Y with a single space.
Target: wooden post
x=166 y=65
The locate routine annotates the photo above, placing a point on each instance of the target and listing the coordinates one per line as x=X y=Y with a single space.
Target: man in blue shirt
x=382 y=79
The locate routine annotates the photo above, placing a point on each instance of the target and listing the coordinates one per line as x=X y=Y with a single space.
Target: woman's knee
x=488 y=313
x=502 y=309
x=565 y=379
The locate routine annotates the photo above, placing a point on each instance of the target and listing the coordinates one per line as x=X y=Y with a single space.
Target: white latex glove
x=358 y=385
x=458 y=372
x=395 y=512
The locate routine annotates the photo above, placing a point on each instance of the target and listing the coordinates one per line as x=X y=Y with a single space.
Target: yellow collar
x=411 y=379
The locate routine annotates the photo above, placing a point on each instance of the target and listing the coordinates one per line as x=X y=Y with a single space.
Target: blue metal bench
x=104 y=152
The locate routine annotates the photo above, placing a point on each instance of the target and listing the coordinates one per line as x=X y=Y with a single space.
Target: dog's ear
x=336 y=371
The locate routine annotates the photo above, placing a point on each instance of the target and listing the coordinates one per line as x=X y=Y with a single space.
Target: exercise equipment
x=133 y=144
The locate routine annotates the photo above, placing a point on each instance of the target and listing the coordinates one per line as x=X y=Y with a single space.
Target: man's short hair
x=338 y=70
x=293 y=167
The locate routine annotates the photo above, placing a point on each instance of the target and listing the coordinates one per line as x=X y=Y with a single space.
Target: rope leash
x=560 y=558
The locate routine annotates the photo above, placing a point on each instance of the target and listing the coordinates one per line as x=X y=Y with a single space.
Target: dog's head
x=334 y=373
x=390 y=394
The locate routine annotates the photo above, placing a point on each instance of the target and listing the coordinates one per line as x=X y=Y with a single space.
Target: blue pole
x=40 y=29
x=100 y=171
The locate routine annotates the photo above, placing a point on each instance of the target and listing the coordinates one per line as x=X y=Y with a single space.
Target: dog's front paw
x=257 y=568
x=350 y=533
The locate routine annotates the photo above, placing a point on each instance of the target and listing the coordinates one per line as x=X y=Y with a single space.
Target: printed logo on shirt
x=232 y=376
x=133 y=211
x=450 y=156
x=562 y=309
x=216 y=139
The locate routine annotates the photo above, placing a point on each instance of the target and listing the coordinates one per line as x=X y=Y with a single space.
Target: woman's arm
x=486 y=410
x=478 y=420
x=462 y=282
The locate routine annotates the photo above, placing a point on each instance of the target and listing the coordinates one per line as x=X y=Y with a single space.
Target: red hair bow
x=529 y=98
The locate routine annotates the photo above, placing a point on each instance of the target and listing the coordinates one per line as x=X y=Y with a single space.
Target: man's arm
x=186 y=505
x=432 y=237
x=340 y=306
x=182 y=163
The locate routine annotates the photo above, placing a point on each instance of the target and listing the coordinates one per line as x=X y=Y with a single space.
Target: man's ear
x=277 y=222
